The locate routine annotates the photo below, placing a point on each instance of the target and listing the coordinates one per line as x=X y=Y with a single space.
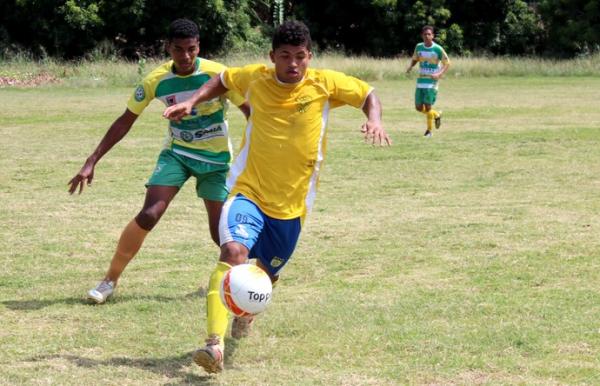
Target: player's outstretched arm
x=373 y=128
x=115 y=133
x=209 y=90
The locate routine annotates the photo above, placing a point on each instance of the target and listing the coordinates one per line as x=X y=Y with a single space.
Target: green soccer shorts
x=173 y=169
x=425 y=96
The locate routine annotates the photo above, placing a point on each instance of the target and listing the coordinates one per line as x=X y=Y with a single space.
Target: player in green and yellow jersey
x=433 y=64
x=274 y=178
x=197 y=146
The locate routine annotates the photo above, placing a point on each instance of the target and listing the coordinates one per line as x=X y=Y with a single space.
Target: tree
x=573 y=26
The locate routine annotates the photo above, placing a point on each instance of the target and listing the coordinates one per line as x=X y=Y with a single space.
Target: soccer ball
x=246 y=290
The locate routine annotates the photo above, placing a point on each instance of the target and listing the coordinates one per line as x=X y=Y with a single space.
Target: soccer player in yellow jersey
x=198 y=146
x=273 y=180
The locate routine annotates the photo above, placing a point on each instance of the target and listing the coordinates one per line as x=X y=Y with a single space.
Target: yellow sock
x=217 y=316
x=129 y=244
x=431 y=115
x=424 y=111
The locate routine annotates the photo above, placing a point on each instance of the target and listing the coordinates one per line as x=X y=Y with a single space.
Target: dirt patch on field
x=28 y=80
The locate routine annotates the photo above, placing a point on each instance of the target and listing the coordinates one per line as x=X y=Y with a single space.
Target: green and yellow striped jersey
x=203 y=135
x=429 y=59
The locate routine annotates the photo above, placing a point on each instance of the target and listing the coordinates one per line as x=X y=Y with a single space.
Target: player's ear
x=272 y=56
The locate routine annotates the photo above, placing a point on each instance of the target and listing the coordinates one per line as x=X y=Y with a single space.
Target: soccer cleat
x=210 y=357
x=427 y=134
x=102 y=291
x=438 y=120
x=240 y=327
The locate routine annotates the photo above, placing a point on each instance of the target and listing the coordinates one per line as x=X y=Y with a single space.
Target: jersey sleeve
x=346 y=90
x=141 y=97
x=444 y=57
x=237 y=79
x=235 y=97
x=216 y=69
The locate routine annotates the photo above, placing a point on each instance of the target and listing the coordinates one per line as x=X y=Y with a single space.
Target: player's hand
x=375 y=134
x=85 y=175
x=436 y=76
x=178 y=111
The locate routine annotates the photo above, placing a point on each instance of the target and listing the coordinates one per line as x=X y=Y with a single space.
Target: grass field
x=472 y=257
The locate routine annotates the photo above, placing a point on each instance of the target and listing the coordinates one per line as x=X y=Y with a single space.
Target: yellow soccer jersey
x=285 y=140
x=204 y=134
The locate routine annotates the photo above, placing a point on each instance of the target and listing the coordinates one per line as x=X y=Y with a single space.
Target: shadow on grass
x=173 y=367
x=32 y=305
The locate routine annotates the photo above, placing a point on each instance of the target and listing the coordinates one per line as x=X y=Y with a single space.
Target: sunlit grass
x=467 y=258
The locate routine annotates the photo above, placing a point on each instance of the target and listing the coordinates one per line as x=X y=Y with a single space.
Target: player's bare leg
x=156 y=203
x=213 y=210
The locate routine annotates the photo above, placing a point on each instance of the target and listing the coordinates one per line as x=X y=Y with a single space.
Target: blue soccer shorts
x=270 y=240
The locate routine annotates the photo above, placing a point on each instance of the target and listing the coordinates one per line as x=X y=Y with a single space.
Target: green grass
x=467 y=258
x=119 y=73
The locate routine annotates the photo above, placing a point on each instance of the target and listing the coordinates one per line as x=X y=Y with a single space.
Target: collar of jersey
x=196 y=69
x=289 y=84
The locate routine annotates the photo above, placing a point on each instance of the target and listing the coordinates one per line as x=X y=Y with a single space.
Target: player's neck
x=428 y=45
x=178 y=72
x=291 y=84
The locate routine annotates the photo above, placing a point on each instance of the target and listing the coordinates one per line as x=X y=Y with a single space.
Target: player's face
x=427 y=36
x=184 y=53
x=290 y=62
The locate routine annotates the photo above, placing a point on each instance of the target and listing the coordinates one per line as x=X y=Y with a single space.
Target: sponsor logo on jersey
x=171 y=100
x=139 y=94
x=212 y=132
x=303 y=103
x=186 y=136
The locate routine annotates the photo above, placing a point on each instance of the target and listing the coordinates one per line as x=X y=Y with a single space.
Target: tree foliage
x=136 y=28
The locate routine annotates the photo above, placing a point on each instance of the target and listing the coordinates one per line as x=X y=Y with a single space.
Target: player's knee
x=419 y=108
x=234 y=253
x=148 y=217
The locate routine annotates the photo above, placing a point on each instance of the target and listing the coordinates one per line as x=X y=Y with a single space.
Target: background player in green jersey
x=433 y=63
x=196 y=147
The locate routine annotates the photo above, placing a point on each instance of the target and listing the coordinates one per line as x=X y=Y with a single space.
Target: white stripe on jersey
x=240 y=162
x=312 y=185
x=196 y=156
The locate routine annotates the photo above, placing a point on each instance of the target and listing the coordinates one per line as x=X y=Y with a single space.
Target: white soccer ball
x=246 y=290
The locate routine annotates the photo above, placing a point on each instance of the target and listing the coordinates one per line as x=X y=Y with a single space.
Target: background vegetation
x=383 y=28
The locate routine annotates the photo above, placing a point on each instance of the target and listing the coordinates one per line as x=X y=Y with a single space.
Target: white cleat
x=102 y=291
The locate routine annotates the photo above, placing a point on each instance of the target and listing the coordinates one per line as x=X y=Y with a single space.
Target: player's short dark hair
x=292 y=32
x=428 y=27
x=183 y=29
